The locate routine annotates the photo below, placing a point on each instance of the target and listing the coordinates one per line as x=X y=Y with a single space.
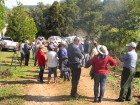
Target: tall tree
x=37 y=13
x=54 y=20
x=21 y=24
x=91 y=16
x=2 y=15
x=70 y=11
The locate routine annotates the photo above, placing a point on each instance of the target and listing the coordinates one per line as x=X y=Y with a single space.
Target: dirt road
x=58 y=93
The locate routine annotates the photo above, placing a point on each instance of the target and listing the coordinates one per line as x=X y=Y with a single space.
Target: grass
x=10 y=95
x=12 y=91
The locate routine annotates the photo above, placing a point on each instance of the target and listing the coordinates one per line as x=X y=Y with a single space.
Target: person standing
x=130 y=61
x=52 y=61
x=100 y=63
x=41 y=62
x=27 y=52
x=74 y=58
x=22 y=52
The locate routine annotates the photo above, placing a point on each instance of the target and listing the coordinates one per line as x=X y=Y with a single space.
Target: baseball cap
x=132 y=44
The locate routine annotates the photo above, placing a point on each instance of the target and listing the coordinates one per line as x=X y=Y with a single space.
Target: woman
x=52 y=61
x=100 y=62
x=41 y=62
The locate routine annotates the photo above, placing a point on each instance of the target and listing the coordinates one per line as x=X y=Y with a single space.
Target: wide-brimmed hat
x=132 y=44
x=51 y=46
x=41 y=46
x=26 y=41
x=102 y=49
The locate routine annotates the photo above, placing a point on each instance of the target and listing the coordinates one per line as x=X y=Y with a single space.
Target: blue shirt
x=63 y=51
x=129 y=59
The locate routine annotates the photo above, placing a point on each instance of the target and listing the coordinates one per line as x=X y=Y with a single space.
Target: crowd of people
x=69 y=58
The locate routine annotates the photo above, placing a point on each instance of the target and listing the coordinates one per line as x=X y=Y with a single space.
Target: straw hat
x=102 y=49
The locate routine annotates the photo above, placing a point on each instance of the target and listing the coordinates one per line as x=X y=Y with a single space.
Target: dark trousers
x=27 y=56
x=41 y=72
x=76 y=72
x=35 y=60
x=126 y=83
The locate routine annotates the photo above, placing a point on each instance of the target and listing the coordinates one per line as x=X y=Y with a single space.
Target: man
x=74 y=58
x=130 y=60
x=27 y=52
x=87 y=49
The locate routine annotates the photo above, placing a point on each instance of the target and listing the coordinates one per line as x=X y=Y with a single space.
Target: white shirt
x=21 y=48
x=52 y=59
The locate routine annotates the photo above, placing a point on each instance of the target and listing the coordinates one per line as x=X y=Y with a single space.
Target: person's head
x=41 y=46
x=131 y=46
x=94 y=40
x=51 y=47
x=76 y=40
x=27 y=42
x=102 y=50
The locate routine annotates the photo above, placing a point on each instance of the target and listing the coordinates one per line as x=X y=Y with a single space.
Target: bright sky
x=12 y=3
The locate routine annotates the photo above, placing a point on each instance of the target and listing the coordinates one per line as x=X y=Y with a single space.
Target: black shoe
x=127 y=99
x=75 y=95
x=42 y=82
x=95 y=99
x=120 y=100
x=99 y=100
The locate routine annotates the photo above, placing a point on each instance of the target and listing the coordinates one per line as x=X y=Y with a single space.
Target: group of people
x=72 y=57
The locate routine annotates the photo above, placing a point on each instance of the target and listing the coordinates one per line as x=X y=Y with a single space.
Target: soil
x=58 y=93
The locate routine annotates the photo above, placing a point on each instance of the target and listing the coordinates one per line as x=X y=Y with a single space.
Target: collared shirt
x=129 y=59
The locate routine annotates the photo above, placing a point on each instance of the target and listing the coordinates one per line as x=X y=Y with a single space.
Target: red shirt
x=40 y=57
x=100 y=64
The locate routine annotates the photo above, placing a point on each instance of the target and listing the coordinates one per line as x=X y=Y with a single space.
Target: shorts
x=52 y=70
x=22 y=56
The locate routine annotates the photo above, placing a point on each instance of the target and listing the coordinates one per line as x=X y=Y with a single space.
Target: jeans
x=27 y=56
x=52 y=70
x=86 y=58
x=76 y=72
x=41 y=72
x=99 y=79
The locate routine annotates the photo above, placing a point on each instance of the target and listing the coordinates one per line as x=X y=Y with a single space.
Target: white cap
x=132 y=44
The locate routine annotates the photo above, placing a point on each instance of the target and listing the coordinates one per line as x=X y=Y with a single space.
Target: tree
x=90 y=16
x=2 y=15
x=70 y=11
x=54 y=20
x=37 y=13
x=21 y=24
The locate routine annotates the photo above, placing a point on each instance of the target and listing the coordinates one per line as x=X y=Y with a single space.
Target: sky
x=12 y=3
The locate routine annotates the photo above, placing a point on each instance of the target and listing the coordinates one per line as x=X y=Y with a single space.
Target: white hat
x=132 y=44
x=102 y=49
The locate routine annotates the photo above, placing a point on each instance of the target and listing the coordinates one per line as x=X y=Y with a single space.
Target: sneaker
x=120 y=100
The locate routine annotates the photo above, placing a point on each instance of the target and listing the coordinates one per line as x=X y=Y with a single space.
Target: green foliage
x=21 y=24
x=2 y=14
x=38 y=13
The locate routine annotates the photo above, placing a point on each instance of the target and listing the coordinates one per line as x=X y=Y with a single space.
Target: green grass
x=11 y=95
x=12 y=91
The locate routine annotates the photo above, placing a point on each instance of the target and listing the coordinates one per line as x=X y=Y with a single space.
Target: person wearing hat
x=100 y=63
x=130 y=61
x=52 y=61
x=41 y=62
x=27 y=52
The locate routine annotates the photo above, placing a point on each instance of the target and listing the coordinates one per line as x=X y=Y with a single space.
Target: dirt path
x=58 y=93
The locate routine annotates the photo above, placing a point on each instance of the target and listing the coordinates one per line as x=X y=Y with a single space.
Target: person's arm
x=124 y=57
x=112 y=61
